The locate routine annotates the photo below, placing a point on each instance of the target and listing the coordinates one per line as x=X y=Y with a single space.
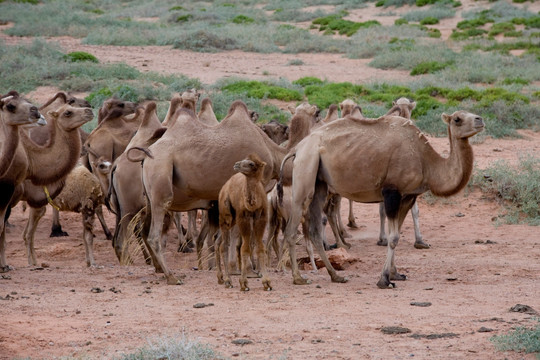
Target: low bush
x=323 y=95
x=261 y=90
x=429 y=21
x=76 y=56
x=428 y=67
x=335 y=23
x=519 y=188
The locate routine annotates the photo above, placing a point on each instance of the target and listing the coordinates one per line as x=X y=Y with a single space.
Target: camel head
x=16 y=111
x=349 y=107
x=70 y=118
x=251 y=166
x=66 y=98
x=402 y=107
x=463 y=124
x=113 y=108
x=305 y=108
x=103 y=165
x=190 y=98
x=276 y=131
x=254 y=116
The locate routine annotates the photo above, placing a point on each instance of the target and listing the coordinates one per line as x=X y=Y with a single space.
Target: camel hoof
x=4 y=269
x=331 y=247
x=399 y=277
x=421 y=245
x=301 y=281
x=220 y=280
x=267 y=286
x=246 y=289
x=171 y=280
x=60 y=233
x=228 y=285
x=385 y=284
x=339 y=279
x=352 y=225
x=382 y=242
x=185 y=249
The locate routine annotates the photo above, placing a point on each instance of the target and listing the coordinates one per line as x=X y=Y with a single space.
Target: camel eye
x=11 y=107
x=68 y=113
x=71 y=101
x=121 y=105
x=457 y=120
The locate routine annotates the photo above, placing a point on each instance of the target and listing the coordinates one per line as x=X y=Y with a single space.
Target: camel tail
x=138 y=154
x=280 y=182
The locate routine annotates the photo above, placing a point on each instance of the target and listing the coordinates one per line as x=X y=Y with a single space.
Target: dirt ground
x=471 y=277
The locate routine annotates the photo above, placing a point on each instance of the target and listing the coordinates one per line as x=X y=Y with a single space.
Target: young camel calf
x=242 y=201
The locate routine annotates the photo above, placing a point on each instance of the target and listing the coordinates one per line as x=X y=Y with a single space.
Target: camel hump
x=205 y=103
x=138 y=154
x=238 y=105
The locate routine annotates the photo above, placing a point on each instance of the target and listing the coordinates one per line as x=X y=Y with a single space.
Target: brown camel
x=110 y=138
x=279 y=133
x=350 y=157
x=242 y=201
x=194 y=161
x=14 y=112
x=64 y=139
x=113 y=108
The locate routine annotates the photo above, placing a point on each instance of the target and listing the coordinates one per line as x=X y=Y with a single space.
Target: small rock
x=490 y=242
x=523 y=309
x=497 y=150
x=242 y=342
x=202 y=305
x=317 y=341
x=459 y=215
x=96 y=290
x=6 y=277
x=45 y=265
x=485 y=329
x=420 y=304
x=451 y=279
x=392 y=330
x=115 y=290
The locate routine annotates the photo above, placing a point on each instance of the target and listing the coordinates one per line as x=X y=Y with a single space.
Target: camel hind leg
x=418 y=241
x=352 y=222
x=88 y=235
x=259 y=225
x=56 y=227
x=99 y=214
x=314 y=226
x=396 y=208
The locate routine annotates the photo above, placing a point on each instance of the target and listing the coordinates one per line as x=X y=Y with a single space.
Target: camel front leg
x=88 y=236
x=396 y=209
x=34 y=215
x=331 y=209
x=191 y=233
x=56 y=227
x=225 y=246
x=244 y=225
x=259 y=225
x=383 y=241
x=4 y=267
x=99 y=214
x=418 y=241
x=352 y=221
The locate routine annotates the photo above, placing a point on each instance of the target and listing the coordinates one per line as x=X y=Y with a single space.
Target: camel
x=279 y=133
x=15 y=111
x=350 y=157
x=331 y=115
x=82 y=194
x=64 y=139
x=110 y=138
x=242 y=201
x=194 y=161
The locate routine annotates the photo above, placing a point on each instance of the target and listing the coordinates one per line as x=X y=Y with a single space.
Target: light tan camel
x=331 y=114
x=193 y=161
x=114 y=108
x=14 y=112
x=82 y=194
x=62 y=149
x=350 y=157
x=242 y=202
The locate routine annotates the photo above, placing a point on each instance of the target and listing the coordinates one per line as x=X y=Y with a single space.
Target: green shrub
x=334 y=23
x=177 y=8
x=308 y=80
x=262 y=90
x=242 y=19
x=76 y=56
x=184 y=18
x=519 y=187
x=464 y=35
x=429 y=21
x=474 y=23
x=499 y=28
x=295 y=62
x=518 y=81
x=428 y=67
x=205 y=41
x=323 y=95
x=400 y=21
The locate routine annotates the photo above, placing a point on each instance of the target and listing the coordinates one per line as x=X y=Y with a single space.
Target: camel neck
x=447 y=176
x=253 y=191
x=54 y=161
x=10 y=141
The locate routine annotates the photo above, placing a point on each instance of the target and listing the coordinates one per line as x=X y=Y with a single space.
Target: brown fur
x=242 y=201
x=114 y=108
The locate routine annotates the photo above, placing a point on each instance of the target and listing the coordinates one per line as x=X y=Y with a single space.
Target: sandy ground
x=473 y=274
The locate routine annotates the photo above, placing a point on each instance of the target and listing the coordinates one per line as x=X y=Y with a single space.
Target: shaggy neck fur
x=9 y=145
x=53 y=162
x=252 y=191
x=446 y=177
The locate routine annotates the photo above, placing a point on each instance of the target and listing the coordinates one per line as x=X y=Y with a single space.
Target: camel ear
x=412 y=105
x=394 y=103
x=446 y=118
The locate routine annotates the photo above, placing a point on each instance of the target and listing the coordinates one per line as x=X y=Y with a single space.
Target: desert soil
x=473 y=274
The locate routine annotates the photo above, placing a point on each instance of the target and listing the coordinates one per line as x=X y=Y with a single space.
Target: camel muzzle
x=479 y=123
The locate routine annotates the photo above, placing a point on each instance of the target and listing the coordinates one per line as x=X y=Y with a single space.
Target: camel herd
x=244 y=177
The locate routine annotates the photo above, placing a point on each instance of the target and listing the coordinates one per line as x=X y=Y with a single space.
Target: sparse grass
x=429 y=67
x=521 y=339
x=437 y=12
x=332 y=24
x=295 y=62
x=517 y=186
x=263 y=90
